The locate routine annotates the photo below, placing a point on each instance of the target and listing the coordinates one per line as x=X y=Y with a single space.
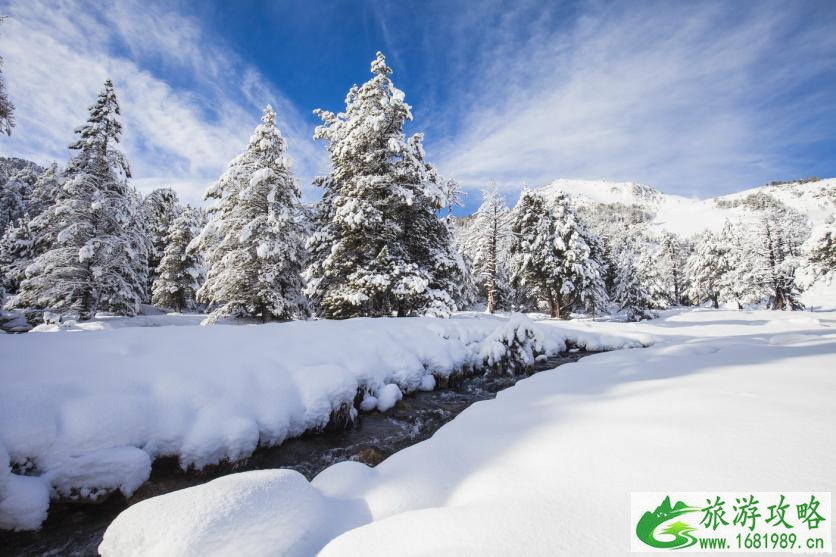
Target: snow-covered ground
x=724 y=401
x=84 y=412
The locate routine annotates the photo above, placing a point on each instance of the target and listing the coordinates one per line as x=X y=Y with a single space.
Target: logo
x=681 y=531
x=760 y=522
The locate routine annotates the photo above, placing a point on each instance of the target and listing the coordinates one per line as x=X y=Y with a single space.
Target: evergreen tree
x=252 y=245
x=159 y=210
x=651 y=273
x=671 y=261
x=7 y=121
x=819 y=253
x=736 y=266
x=706 y=268
x=550 y=255
x=630 y=293
x=15 y=196
x=822 y=249
x=776 y=248
x=485 y=244
x=16 y=253
x=180 y=272
x=97 y=257
x=45 y=190
x=378 y=247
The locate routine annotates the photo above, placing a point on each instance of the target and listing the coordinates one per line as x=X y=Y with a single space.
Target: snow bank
x=234 y=515
x=85 y=414
x=725 y=401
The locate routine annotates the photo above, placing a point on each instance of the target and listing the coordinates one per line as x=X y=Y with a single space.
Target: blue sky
x=695 y=98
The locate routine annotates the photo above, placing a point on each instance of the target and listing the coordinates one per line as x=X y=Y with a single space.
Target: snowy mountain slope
x=686 y=216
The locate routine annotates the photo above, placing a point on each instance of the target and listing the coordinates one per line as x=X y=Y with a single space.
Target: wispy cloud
x=188 y=104
x=697 y=98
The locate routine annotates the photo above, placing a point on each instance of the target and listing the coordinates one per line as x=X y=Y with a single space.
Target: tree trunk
x=266 y=316
x=779 y=299
x=554 y=305
x=715 y=302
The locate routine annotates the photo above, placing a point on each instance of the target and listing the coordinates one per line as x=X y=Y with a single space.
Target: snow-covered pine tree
x=253 y=242
x=7 y=120
x=822 y=249
x=16 y=253
x=582 y=253
x=776 y=248
x=97 y=257
x=651 y=273
x=159 y=209
x=596 y=298
x=15 y=196
x=180 y=272
x=819 y=255
x=706 y=268
x=550 y=255
x=45 y=190
x=378 y=247
x=26 y=239
x=630 y=292
x=464 y=293
x=485 y=243
x=736 y=282
x=671 y=261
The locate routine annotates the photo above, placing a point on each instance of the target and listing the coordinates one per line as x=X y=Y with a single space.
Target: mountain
x=686 y=216
x=9 y=166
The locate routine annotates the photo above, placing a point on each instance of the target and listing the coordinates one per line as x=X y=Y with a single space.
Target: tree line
x=80 y=239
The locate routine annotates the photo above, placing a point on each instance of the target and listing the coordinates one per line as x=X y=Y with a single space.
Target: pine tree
x=180 y=272
x=550 y=255
x=15 y=196
x=822 y=249
x=159 y=210
x=630 y=293
x=252 y=245
x=776 y=247
x=671 y=261
x=485 y=243
x=379 y=205
x=706 y=268
x=16 y=253
x=97 y=257
x=736 y=282
x=819 y=253
x=45 y=190
x=7 y=121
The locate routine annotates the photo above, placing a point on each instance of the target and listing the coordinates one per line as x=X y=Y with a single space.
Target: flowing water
x=78 y=529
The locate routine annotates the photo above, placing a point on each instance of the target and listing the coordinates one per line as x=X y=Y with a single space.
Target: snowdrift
x=85 y=413
x=725 y=400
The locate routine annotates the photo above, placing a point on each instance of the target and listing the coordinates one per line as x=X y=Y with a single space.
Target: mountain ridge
x=686 y=216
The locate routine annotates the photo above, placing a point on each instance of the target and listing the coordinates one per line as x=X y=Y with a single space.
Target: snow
x=87 y=412
x=822 y=294
x=724 y=401
x=24 y=503
x=687 y=216
x=389 y=395
x=233 y=516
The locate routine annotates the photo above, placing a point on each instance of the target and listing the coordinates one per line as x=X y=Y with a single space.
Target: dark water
x=78 y=529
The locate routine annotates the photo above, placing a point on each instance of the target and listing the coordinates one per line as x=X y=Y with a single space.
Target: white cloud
x=58 y=55
x=686 y=96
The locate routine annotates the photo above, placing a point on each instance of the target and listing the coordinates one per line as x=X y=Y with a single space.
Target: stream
x=77 y=529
